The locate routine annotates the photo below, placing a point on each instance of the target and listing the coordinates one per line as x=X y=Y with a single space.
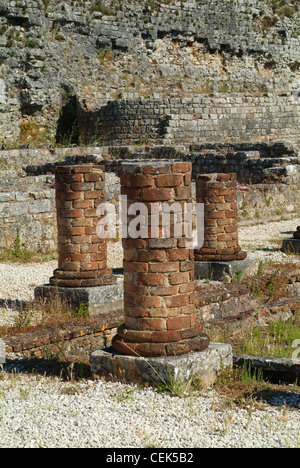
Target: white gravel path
x=264 y=241
x=39 y=412
x=46 y=412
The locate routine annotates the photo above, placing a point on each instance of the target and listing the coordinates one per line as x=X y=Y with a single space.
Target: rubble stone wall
x=52 y=51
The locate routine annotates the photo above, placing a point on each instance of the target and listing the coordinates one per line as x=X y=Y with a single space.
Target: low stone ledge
x=92 y=297
x=98 y=330
x=218 y=270
x=260 y=316
x=276 y=370
x=210 y=294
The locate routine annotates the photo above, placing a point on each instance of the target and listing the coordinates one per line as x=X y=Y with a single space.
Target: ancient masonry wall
x=191 y=120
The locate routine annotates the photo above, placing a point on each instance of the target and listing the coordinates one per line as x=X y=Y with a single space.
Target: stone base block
x=216 y=271
x=276 y=370
x=291 y=246
x=205 y=365
x=92 y=297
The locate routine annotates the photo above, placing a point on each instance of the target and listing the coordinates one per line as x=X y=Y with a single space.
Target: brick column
x=296 y=234
x=158 y=272
x=218 y=193
x=292 y=245
x=82 y=254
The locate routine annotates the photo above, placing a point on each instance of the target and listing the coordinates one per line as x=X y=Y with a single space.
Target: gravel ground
x=39 y=411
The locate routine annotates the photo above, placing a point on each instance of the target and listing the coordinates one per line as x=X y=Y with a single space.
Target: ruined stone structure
x=158 y=272
x=218 y=193
x=55 y=54
x=292 y=245
x=196 y=119
x=82 y=260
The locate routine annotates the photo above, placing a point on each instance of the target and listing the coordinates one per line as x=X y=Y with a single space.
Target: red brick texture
x=218 y=193
x=82 y=254
x=158 y=272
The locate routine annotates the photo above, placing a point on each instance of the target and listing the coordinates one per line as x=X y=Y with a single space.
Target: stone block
x=291 y=246
x=40 y=206
x=216 y=271
x=92 y=297
x=274 y=369
x=205 y=365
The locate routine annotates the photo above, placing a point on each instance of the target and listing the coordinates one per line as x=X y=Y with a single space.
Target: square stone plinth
x=205 y=365
x=216 y=271
x=291 y=246
x=92 y=297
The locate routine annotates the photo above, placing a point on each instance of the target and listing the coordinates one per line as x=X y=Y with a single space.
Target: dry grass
x=42 y=313
x=249 y=390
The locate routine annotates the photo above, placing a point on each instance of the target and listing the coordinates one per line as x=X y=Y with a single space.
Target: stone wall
x=51 y=51
x=264 y=118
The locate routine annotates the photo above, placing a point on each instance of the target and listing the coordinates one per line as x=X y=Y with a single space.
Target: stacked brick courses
x=292 y=245
x=218 y=193
x=158 y=269
x=297 y=233
x=82 y=254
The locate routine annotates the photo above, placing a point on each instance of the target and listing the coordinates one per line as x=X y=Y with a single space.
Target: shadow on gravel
x=14 y=304
x=66 y=370
x=279 y=398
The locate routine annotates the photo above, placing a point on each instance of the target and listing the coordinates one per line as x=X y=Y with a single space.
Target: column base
x=216 y=271
x=190 y=340
x=212 y=257
x=204 y=365
x=85 y=279
x=92 y=297
x=291 y=246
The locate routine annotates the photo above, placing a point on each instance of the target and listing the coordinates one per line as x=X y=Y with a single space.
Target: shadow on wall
x=67 y=124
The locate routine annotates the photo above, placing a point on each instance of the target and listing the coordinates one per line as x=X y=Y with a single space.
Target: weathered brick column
x=82 y=254
x=297 y=233
x=218 y=193
x=158 y=272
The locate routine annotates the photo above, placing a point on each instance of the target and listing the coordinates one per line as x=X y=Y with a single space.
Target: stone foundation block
x=216 y=271
x=291 y=246
x=205 y=365
x=92 y=297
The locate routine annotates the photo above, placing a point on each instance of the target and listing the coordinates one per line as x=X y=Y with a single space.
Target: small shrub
x=81 y=312
x=260 y=268
x=98 y=6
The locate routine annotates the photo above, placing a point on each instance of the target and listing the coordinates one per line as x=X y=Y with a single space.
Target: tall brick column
x=218 y=193
x=82 y=254
x=158 y=272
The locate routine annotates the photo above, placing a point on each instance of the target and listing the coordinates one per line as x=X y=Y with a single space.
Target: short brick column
x=158 y=272
x=82 y=254
x=292 y=245
x=218 y=193
x=297 y=233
